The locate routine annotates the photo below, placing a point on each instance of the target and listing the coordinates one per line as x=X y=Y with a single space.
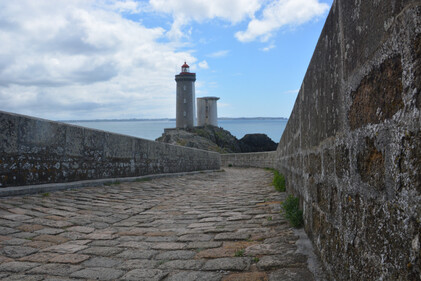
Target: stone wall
x=36 y=151
x=352 y=146
x=256 y=159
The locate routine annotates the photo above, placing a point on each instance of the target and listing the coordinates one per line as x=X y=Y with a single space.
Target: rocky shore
x=217 y=139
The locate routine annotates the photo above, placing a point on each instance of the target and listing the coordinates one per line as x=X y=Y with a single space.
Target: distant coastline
x=172 y=119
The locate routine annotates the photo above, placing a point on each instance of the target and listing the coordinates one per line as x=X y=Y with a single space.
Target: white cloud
x=203 y=64
x=268 y=48
x=219 y=54
x=184 y=11
x=281 y=13
x=82 y=59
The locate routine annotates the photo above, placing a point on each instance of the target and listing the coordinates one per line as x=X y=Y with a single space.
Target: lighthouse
x=185 y=107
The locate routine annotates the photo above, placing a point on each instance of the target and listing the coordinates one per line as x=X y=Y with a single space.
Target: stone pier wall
x=36 y=151
x=256 y=160
x=352 y=147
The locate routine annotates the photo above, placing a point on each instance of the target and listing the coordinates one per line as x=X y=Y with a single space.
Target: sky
x=102 y=59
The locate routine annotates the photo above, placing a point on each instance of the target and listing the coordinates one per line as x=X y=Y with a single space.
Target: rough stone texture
x=351 y=148
x=37 y=151
x=257 y=160
x=193 y=212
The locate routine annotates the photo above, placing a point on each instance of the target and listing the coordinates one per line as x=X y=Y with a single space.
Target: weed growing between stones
x=278 y=180
x=46 y=194
x=143 y=179
x=256 y=259
x=239 y=253
x=292 y=210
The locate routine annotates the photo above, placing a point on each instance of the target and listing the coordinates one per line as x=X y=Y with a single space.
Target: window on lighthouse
x=185 y=67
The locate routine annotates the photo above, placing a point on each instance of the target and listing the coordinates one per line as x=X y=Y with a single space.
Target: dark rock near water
x=257 y=143
x=217 y=139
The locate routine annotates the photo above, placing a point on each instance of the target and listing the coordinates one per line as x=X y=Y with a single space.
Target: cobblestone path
x=208 y=226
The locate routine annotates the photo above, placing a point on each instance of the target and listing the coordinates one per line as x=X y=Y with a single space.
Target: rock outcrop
x=217 y=139
x=257 y=143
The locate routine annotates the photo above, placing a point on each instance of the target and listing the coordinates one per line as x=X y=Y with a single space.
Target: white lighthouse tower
x=186 y=106
x=207 y=113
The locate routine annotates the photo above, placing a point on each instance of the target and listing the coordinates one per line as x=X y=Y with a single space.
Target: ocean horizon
x=152 y=129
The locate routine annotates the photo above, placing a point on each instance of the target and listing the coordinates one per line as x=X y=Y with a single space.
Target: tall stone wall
x=255 y=159
x=352 y=146
x=36 y=151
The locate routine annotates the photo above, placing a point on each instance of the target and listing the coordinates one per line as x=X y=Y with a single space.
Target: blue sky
x=99 y=59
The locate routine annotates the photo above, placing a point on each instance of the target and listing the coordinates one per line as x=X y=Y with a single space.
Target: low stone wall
x=256 y=159
x=352 y=146
x=36 y=151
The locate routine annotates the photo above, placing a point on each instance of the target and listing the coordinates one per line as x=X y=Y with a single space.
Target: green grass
x=292 y=210
x=269 y=218
x=278 y=180
x=143 y=179
x=256 y=259
x=239 y=253
x=46 y=194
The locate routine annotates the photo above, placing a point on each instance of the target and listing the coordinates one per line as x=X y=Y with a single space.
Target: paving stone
x=49 y=230
x=211 y=219
x=249 y=276
x=235 y=264
x=98 y=273
x=201 y=225
x=17 y=251
x=183 y=228
x=195 y=237
x=101 y=236
x=102 y=251
x=104 y=243
x=82 y=229
x=102 y=262
x=51 y=238
x=14 y=242
x=39 y=257
x=62 y=279
x=145 y=275
x=21 y=277
x=203 y=245
x=23 y=235
x=66 y=248
x=138 y=263
x=55 y=269
x=291 y=274
x=137 y=254
x=39 y=244
x=182 y=264
x=7 y=230
x=176 y=255
x=279 y=261
x=239 y=217
x=232 y=236
x=17 y=266
x=168 y=246
x=69 y=258
x=194 y=276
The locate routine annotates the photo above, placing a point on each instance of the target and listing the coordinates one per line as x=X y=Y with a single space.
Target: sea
x=153 y=129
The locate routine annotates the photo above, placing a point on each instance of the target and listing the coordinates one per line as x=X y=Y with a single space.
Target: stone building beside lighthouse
x=207 y=113
x=185 y=105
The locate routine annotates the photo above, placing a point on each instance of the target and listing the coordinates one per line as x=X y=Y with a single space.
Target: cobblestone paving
x=211 y=226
